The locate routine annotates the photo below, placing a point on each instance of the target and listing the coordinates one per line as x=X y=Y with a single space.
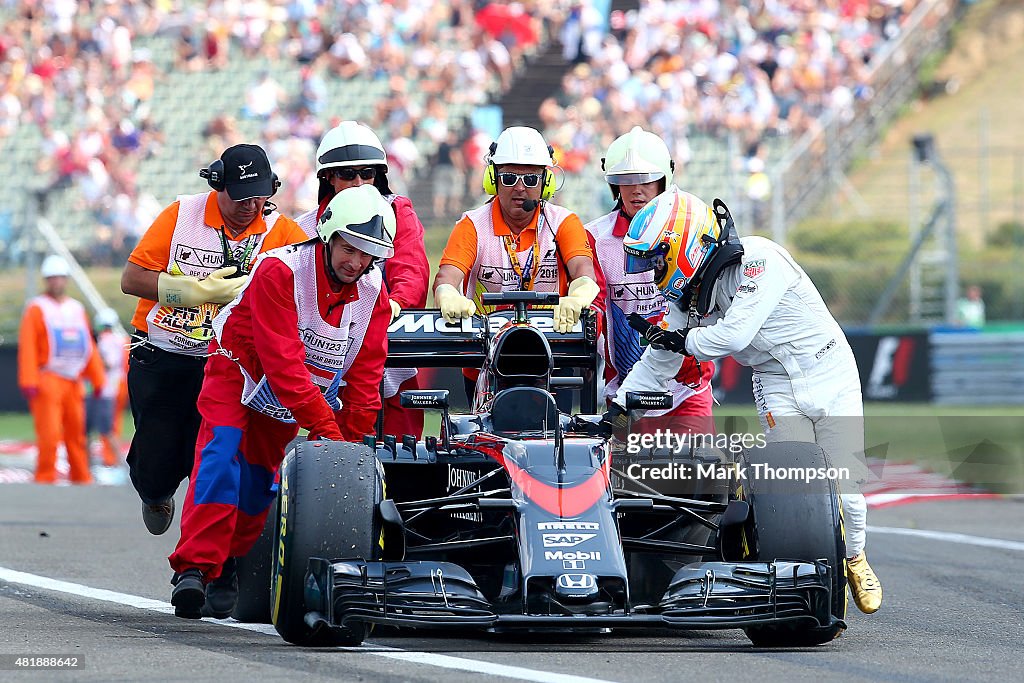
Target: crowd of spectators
x=80 y=73
x=752 y=68
x=53 y=59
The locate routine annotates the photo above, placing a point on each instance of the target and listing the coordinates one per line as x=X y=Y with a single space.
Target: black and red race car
x=516 y=516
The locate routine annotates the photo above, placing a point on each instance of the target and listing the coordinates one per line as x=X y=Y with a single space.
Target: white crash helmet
x=106 y=317
x=363 y=218
x=54 y=266
x=350 y=144
x=636 y=158
x=520 y=145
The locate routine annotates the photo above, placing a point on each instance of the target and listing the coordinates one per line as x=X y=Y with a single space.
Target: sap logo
x=568 y=526
x=565 y=540
x=579 y=555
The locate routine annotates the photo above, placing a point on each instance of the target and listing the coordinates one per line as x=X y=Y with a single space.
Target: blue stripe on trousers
x=226 y=477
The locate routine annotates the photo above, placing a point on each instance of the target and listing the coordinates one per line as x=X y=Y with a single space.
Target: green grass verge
x=982 y=445
x=18 y=427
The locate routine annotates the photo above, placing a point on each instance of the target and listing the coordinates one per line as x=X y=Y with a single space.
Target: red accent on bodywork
x=564 y=501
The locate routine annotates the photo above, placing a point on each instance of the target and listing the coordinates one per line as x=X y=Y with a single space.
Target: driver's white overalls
x=767 y=314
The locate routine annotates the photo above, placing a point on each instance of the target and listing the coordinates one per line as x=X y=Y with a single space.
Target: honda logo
x=585 y=582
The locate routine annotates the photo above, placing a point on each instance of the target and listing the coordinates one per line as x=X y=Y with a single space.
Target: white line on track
x=949 y=536
x=426 y=658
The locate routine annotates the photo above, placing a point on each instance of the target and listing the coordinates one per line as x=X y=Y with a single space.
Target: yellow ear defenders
x=490 y=179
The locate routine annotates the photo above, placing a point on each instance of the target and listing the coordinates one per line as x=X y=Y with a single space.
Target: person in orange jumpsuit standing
x=101 y=414
x=55 y=353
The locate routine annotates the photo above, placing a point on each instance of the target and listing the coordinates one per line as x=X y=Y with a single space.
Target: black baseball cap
x=247 y=172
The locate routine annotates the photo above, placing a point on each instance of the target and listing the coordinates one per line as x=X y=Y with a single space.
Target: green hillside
x=972 y=101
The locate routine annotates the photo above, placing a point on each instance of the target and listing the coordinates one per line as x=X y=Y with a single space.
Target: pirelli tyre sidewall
x=327 y=508
x=255 y=568
x=796 y=521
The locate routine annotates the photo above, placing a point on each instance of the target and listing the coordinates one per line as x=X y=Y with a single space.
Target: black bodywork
x=517 y=516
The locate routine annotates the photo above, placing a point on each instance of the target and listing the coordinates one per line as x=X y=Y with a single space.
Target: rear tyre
x=326 y=508
x=255 y=568
x=796 y=521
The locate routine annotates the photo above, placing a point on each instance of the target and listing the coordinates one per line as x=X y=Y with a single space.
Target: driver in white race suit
x=637 y=168
x=747 y=298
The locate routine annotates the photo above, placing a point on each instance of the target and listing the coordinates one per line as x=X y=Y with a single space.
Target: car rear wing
x=421 y=338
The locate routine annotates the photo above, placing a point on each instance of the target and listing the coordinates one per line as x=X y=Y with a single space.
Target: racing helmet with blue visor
x=673 y=236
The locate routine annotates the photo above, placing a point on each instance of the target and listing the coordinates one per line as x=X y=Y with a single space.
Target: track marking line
x=949 y=536
x=409 y=656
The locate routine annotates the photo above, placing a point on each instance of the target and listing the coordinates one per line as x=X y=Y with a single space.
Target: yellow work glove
x=452 y=303
x=396 y=310
x=185 y=291
x=582 y=292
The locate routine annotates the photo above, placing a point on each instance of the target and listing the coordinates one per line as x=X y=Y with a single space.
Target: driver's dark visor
x=638 y=261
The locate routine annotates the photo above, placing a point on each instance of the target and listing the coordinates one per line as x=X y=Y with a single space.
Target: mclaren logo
x=413 y=323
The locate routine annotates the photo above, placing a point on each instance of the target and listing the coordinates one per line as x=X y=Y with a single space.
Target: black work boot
x=158 y=517
x=189 y=594
x=222 y=592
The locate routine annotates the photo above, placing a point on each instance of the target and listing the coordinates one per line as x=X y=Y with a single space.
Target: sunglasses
x=349 y=174
x=510 y=179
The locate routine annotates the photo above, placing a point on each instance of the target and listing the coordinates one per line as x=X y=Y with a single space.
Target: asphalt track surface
x=79 y=575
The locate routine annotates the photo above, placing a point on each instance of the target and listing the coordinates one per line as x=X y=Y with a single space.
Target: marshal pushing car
x=519 y=516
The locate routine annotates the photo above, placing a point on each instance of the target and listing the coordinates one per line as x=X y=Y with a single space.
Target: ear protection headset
x=490 y=181
x=214 y=175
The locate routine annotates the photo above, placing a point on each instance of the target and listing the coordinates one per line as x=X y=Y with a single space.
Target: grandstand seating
x=181 y=106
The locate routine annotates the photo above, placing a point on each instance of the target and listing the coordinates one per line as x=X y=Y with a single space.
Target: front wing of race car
x=426 y=594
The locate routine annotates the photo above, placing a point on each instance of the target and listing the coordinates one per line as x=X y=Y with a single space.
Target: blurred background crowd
x=96 y=94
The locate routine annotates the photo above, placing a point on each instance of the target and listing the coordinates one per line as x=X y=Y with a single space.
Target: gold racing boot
x=866 y=589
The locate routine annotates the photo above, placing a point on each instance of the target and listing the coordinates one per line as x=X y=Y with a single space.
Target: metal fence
x=978 y=368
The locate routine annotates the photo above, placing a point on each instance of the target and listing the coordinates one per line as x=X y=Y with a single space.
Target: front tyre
x=796 y=521
x=327 y=506
x=256 y=567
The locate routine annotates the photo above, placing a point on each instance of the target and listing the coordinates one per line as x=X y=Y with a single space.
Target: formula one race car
x=519 y=516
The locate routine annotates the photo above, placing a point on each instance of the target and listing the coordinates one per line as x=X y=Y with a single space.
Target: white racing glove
x=185 y=291
x=452 y=303
x=582 y=292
